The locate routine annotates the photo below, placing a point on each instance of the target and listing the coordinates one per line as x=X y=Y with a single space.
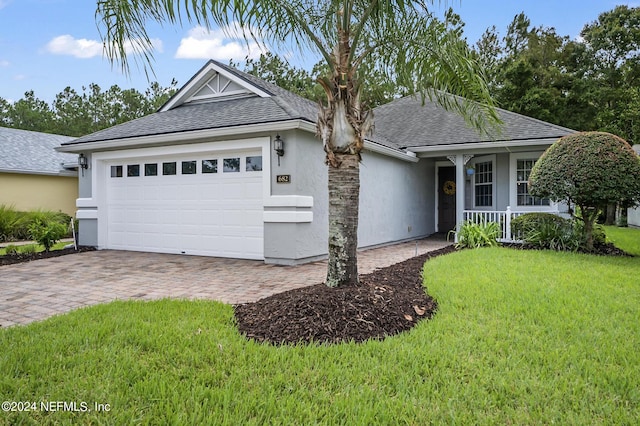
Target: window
x=116 y=171
x=151 y=169
x=523 y=170
x=188 y=167
x=209 y=166
x=483 y=184
x=169 y=168
x=231 y=165
x=254 y=164
x=133 y=170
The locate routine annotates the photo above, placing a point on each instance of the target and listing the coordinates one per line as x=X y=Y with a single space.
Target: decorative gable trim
x=213 y=82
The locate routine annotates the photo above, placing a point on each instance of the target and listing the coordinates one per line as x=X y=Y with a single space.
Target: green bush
x=549 y=231
x=28 y=249
x=14 y=225
x=590 y=170
x=528 y=222
x=47 y=234
x=474 y=235
x=11 y=250
x=9 y=220
x=555 y=236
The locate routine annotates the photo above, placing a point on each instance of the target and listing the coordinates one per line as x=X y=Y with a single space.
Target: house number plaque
x=283 y=178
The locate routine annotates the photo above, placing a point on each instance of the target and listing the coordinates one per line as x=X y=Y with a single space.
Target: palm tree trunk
x=344 y=191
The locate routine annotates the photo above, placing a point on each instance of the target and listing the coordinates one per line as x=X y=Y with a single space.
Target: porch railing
x=502 y=218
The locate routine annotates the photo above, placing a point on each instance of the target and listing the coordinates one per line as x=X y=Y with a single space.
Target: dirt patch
x=20 y=258
x=386 y=302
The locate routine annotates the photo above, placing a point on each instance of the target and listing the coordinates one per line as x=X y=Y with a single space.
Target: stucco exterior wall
x=396 y=200
x=32 y=192
x=289 y=243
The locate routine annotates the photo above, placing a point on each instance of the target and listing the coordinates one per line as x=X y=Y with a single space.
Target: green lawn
x=521 y=337
x=627 y=239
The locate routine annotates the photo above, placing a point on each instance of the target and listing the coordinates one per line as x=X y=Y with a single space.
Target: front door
x=446 y=199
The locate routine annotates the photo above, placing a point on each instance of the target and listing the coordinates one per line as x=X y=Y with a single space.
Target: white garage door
x=202 y=204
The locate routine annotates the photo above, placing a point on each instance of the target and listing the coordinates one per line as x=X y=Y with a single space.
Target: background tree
x=532 y=71
x=612 y=62
x=77 y=114
x=591 y=170
x=406 y=42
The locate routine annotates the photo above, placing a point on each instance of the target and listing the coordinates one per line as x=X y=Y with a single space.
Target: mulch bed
x=20 y=258
x=605 y=249
x=386 y=302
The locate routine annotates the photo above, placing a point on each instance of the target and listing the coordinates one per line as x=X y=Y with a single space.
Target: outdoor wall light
x=278 y=147
x=83 y=163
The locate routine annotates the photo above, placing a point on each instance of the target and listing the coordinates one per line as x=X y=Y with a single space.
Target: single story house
x=33 y=175
x=230 y=166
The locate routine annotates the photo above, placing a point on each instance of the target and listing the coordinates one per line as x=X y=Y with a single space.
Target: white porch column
x=460 y=160
x=459 y=192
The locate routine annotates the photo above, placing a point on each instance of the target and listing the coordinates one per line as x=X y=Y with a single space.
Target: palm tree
x=402 y=38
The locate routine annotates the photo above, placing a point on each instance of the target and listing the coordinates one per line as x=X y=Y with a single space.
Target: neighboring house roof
x=413 y=125
x=23 y=151
x=404 y=124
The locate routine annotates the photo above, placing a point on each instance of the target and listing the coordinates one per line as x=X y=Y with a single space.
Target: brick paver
x=37 y=290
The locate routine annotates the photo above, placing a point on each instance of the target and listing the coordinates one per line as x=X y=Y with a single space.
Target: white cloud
x=221 y=45
x=19 y=77
x=4 y=63
x=83 y=48
x=4 y=3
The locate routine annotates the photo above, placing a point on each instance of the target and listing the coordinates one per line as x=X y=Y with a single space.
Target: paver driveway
x=36 y=290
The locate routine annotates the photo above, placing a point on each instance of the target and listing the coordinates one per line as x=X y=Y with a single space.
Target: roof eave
x=64 y=173
x=186 y=137
x=506 y=145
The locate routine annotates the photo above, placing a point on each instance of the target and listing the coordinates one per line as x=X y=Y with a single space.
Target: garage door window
x=209 y=166
x=231 y=165
x=254 y=164
x=151 y=170
x=169 y=168
x=116 y=171
x=188 y=167
x=133 y=170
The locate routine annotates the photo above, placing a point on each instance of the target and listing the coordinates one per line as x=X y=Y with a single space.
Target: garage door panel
x=215 y=214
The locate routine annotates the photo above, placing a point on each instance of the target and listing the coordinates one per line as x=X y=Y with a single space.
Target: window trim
x=484 y=159
x=513 y=182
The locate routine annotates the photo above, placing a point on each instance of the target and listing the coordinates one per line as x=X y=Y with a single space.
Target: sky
x=47 y=45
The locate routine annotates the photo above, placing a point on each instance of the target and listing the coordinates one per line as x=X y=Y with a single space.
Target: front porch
x=486 y=187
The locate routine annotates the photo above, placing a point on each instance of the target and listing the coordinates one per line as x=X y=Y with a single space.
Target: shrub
x=555 y=235
x=522 y=225
x=47 y=234
x=590 y=169
x=28 y=249
x=474 y=235
x=11 y=250
x=9 y=220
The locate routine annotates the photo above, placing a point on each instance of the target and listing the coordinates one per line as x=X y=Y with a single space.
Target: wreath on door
x=449 y=187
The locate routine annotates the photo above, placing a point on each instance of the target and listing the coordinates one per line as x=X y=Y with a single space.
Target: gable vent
x=218 y=86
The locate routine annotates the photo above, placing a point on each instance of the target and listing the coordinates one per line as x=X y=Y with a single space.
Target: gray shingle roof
x=282 y=106
x=403 y=123
x=23 y=151
x=410 y=124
